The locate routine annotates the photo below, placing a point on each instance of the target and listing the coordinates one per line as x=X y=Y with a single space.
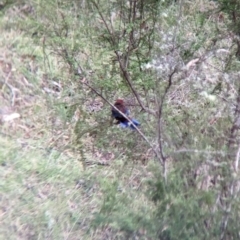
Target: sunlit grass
x=48 y=194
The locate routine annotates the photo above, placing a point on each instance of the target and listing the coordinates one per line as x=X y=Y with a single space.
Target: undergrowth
x=67 y=171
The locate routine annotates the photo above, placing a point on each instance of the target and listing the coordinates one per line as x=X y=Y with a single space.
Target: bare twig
x=163 y=157
x=236 y=125
x=237 y=159
x=201 y=151
x=128 y=80
x=104 y=21
x=123 y=67
x=227 y=188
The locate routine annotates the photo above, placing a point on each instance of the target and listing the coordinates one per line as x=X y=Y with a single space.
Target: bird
x=124 y=123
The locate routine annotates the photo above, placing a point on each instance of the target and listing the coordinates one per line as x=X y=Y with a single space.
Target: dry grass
x=45 y=193
x=48 y=195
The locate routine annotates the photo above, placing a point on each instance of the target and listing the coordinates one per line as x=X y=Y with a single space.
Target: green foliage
x=124 y=217
x=74 y=172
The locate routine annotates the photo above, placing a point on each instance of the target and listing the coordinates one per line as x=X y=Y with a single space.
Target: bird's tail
x=126 y=124
x=135 y=122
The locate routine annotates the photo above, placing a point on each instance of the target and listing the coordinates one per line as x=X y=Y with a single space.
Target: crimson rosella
x=120 y=105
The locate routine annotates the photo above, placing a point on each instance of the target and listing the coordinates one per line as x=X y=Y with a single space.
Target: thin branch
x=163 y=157
x=122 y=67
x=201 y=151
x=237 y=159
x=104 y=21
x=160 y=113
x=128 y=80
x=236 y=125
